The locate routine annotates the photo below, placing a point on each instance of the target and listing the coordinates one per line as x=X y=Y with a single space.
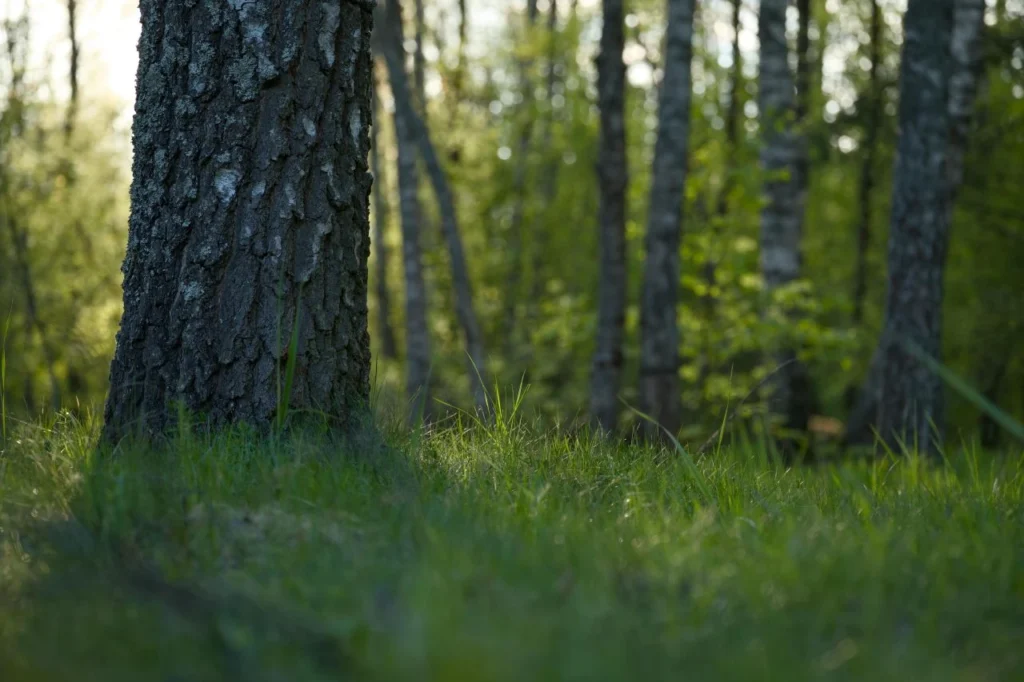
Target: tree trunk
x=782 y=158
x=867 y=176
x=72 y=112
x=513 y=295
x=419 y=135
x=419 y=62
x=659 y=331
x=246 y=268
x=417 y=335
x=612 y=180
x=911 y=397
x=388 y=345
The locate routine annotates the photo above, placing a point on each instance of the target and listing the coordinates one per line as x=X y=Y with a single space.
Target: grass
x=497 y=552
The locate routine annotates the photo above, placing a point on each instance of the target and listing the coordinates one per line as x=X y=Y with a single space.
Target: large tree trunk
x=782 y=160
x=419 y=135
x=659 y=346
x=388 y=345
x=911 y=396
x=249 y=225
x=961 y=63
x=612 y=179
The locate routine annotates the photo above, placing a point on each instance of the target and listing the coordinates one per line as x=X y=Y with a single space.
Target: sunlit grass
x=491 y=550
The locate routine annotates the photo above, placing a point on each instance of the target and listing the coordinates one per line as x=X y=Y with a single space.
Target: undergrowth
x=499 y=552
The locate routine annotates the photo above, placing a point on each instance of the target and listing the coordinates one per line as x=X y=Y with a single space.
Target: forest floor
x=500 y=553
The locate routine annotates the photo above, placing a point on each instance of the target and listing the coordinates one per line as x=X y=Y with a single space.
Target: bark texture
x=612 y=180
x=249 y=217
x=782 y=161
x=388 y=345
x=659 y=346
x=418 y=134
x=911 y=397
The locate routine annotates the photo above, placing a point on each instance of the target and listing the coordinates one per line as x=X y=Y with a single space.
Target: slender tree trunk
x=782 y=156
x=549 y=184
x=72 y=112
x=246 y=268
x=419 y=62
x=659 y=330
x=867 y=173
x=389 y=347
x=420 y=137
x=911 y=397
x=732 y=138
x=417 y=335
x=612 y=179
x=513 y=295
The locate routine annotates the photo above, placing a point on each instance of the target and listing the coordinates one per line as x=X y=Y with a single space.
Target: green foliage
x=499 y=553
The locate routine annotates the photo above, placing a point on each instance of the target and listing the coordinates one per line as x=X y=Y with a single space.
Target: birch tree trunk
x=249 y=223
x=911 y=405
x=612 y=180
x=659 y=346
x=782 y=161
x=419 y=135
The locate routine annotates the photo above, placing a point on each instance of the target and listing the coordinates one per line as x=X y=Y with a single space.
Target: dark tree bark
x=911 y=406
x=419 y=135
x=963 y=66
x=612 y=180
x=72 y=112
x=419 y=61
x=249 y=220
x=388 y=345
x=874 y=102
x=659 y=331
x=782 y=156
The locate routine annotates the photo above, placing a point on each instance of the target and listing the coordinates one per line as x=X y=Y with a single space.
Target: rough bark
x=419 y=136
x=249 y=222
x=659 y=330
x=911 y=406
x=388 y=345
x=963 y=70
x=782 y=156
x=866 y=187
x=612 y=180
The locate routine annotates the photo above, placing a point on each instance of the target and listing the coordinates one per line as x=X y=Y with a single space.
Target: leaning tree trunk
x=418 y=134
x=782 y=158
x=910 y=407
x=612 y=179
x=388 y=345
x=246 y=268
x=659 y=331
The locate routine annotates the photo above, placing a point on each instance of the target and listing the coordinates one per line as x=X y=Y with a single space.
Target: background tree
x=659 y=353
x=911 y=394
x=247 y=255
x=613 y=179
